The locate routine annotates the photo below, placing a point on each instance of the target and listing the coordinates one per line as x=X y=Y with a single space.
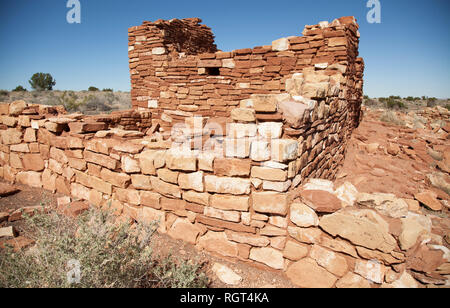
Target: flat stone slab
x=7 y=189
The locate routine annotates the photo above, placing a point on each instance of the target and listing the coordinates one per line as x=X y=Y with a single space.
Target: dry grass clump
x=391 y=117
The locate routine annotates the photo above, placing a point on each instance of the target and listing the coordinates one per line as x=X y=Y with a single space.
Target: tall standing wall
x=216 y=144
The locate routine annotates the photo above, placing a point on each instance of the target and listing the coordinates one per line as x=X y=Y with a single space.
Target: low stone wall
x=241 y=205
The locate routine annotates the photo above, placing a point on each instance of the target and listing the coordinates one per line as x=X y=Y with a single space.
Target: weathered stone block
x=196 y=197
x=33 y=162
x=269 y=256
x=264 y=102
x=260 y=150
x=121 y=180
x=182 y=229
x=231 y=167
x=284 y=150
x=164 y=188
x=217 y=242
x=269 y=174
x=243 y=115
x=237 y=147
x=303 y=216
x=176 y=160
x=269 y=202
x=191 y=181
x=227 y=185
x=232 y=216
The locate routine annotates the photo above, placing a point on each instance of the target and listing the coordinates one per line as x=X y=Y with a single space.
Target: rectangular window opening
x=213 y=71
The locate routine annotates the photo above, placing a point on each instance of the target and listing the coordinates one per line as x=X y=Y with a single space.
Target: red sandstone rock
x=18 y=243
x=429 y=200
x=231 y=167
x=268 y=256
x=229 y=202
x=182 y=229
x=85 y=127
x=33 y=162
x=7 y=189
x=321 y=201
x=295 y=251
x=268 y=202
x=306 y=273
x=74 y=209
x=217 y=242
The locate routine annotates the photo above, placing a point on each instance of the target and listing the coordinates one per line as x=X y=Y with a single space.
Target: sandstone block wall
x=170 y=72
x=216 y=146
x=236 y=208
x=307 y=89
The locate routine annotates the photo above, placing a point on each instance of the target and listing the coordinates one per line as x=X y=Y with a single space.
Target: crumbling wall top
x=181 y=35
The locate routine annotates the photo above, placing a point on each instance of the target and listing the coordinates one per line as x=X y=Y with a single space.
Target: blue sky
x=407 y=54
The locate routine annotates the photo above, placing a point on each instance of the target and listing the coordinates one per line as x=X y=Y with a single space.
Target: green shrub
x=391 y=117
x=19 y=89
x=395 y=97
x=431 y=101
x=4 y=93
x=93 y=89
x=70 y=101
x=448 y=107
x=107 y=90
x=95 y=103
x=42 y=82
x=108 y=254
x=393 y=103
x=410 y=99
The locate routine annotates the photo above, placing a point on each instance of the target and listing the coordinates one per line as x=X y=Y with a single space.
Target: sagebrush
x=109 y=255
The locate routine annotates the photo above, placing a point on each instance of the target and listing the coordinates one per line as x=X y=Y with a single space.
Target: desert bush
x=448 y=107
x=95 y=103
x=70 y=101
x=392 y=118
x=93 y=89
x=42 y=82
x=392 y=103
x=19 y=89
x=395 y=97
x=431 y=101
x=108 y=254
x=370 y=102
x=4 y=93
x=107 y=90
x=410 y=99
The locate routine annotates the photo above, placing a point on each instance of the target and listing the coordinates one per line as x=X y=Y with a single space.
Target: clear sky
x=407 y=54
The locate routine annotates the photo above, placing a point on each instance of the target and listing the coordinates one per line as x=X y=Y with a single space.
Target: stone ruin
x=215 y=148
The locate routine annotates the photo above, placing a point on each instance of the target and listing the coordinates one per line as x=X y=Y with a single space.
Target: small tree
x=42 y=81
x=91 y=88
x=20 y=89
x=107 y=90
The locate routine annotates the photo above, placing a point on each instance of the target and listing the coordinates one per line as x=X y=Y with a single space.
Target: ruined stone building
x=217 y=141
